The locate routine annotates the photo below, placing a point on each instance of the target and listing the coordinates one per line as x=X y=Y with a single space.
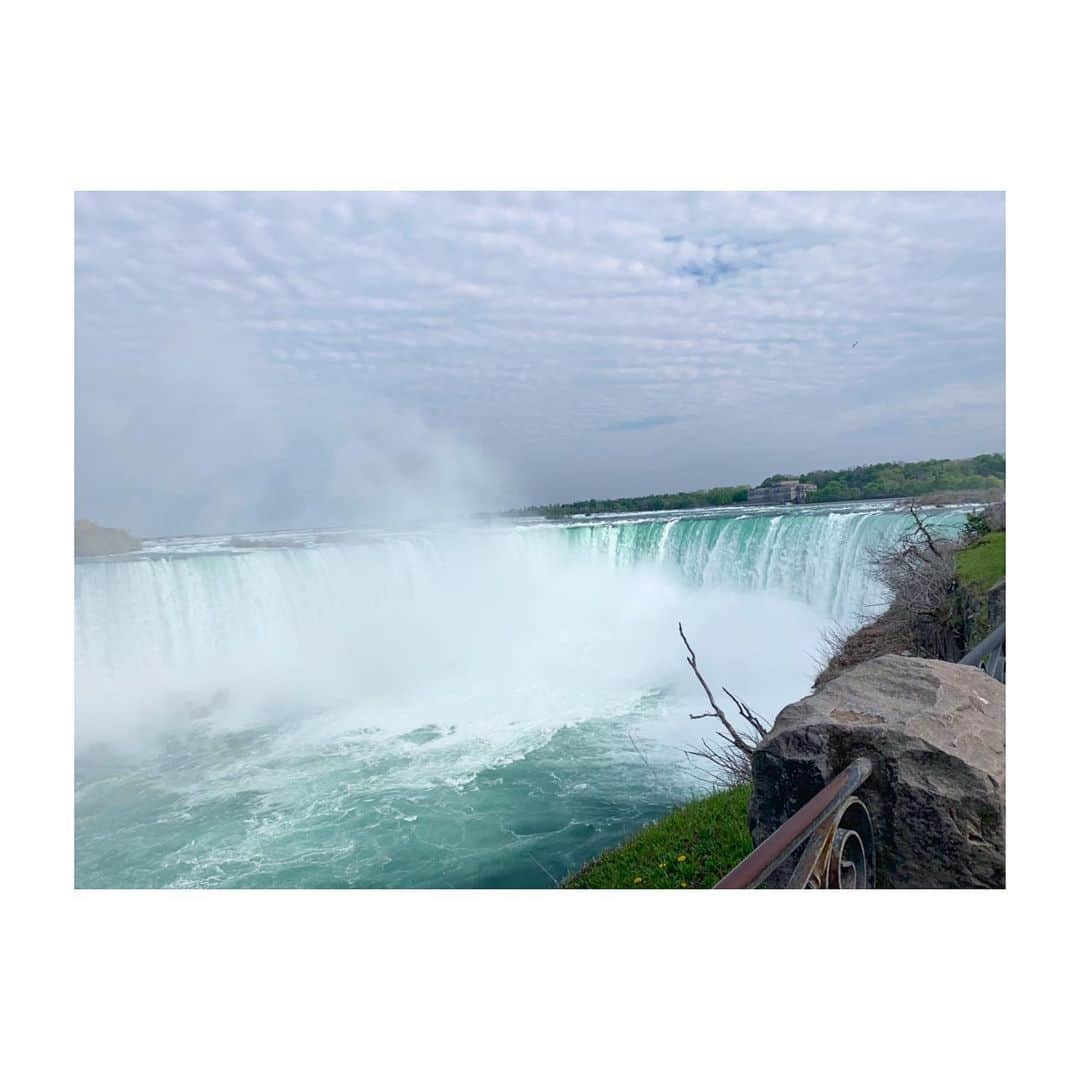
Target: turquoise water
x=484 y=707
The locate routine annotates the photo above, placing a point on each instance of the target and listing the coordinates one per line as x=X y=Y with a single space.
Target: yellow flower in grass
x=637 y=881
x=682 y=858
x=682 y=884
x=663 y=865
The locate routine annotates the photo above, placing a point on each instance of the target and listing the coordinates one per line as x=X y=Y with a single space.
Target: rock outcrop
x=935 y=732
x=92 y=539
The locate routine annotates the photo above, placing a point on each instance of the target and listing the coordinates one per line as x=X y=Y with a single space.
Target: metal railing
x=839 y=837
x=989 y=654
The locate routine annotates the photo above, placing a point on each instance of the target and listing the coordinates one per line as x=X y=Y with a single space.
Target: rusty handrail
x=838 y=827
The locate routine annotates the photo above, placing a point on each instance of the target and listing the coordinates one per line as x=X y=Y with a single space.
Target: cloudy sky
x=248 y=361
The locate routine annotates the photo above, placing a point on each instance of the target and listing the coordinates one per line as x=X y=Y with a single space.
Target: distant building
x=784 y=491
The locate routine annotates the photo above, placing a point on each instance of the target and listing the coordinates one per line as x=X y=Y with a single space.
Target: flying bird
x=856 y=343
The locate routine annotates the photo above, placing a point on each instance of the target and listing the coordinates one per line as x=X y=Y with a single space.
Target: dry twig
x=922 y=529
x=732 y=735
x=729 y=763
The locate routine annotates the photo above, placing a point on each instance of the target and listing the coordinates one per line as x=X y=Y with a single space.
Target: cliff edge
x=93 y=539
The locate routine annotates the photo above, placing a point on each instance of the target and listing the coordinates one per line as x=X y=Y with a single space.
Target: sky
x=249 y=361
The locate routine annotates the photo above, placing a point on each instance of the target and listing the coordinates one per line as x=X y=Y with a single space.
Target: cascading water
x=486 y=706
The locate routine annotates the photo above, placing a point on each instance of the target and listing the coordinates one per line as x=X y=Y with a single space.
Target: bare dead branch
x=715 y=773
x=725 y=764
x=736 y=738
x=554 y=879
x=747 y=713
x=923 y=531
x=647 y=762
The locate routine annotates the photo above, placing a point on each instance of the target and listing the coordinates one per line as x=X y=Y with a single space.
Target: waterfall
x=211 y=607
x=379 y=689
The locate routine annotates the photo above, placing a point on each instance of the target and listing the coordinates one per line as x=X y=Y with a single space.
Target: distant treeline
x=681 y=500
x=897 y=479
x=890 y=479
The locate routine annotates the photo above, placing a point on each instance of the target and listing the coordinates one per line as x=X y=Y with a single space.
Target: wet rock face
x=935 y=732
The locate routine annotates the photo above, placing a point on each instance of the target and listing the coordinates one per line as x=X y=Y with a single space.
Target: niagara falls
x=501 y=521
x=478 y=706
x=475 y=541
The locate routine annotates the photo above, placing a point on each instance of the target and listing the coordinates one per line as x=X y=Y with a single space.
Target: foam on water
x=447 y=708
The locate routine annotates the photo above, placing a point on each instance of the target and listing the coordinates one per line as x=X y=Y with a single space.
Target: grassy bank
x=692 y=848
x=982 y=565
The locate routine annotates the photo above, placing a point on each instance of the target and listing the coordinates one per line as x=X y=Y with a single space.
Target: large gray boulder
x=935 y=733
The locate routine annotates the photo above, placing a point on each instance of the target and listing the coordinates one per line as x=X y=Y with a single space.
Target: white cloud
x=532 y=323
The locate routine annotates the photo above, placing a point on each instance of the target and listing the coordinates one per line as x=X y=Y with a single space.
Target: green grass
x=982 y=565
x=692 y=848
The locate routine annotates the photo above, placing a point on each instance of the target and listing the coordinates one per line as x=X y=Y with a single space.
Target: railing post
x=989 y=654
x=839 y=838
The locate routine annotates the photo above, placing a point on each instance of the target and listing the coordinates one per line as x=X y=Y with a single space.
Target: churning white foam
x=493 y=637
